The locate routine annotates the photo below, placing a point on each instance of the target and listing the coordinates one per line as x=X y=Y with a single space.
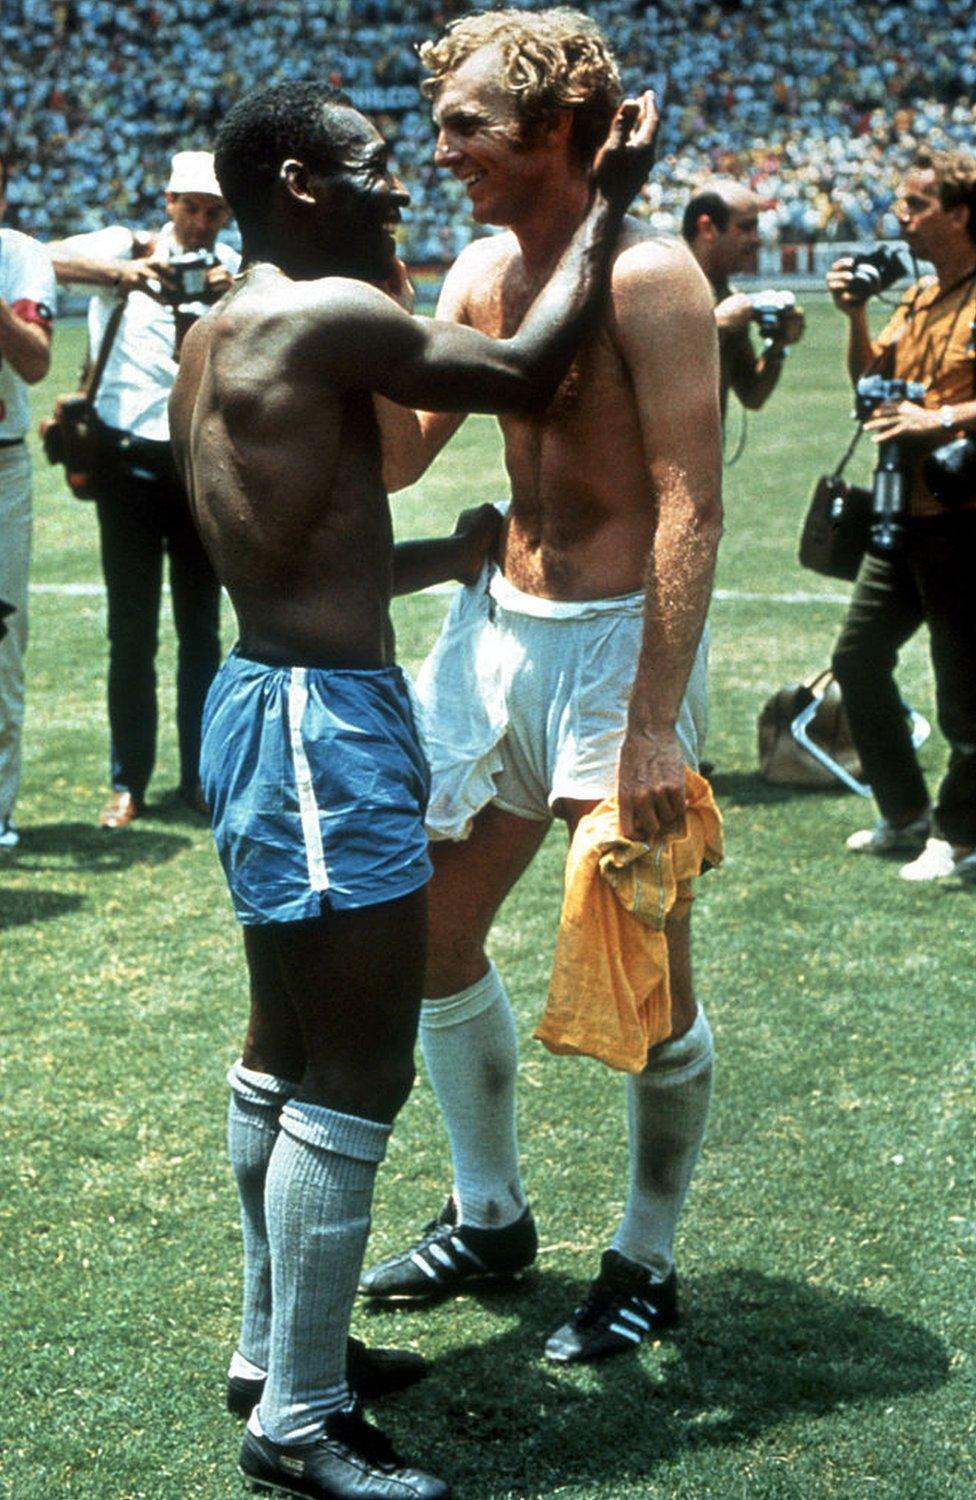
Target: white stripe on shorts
x=307 y=805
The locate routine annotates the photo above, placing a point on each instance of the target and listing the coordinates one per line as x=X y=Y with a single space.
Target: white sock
x=242 y=1369
x=317 y=1205
x=252 y=1129
x=471 y=1053
x=667 y=1110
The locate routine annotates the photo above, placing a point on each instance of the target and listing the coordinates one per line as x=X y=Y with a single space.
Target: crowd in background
x=816 y=105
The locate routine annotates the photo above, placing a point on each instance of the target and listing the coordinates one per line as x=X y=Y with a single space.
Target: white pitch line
x=735 y=596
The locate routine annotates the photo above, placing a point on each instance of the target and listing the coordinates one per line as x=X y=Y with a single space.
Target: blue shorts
x=317 y=786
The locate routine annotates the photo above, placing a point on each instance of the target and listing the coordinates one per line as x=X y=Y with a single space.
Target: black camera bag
x=74 y=435
x=837 y=525
x=836 y=529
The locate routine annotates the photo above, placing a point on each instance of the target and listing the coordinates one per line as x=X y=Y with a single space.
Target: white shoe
x=9 y=837
x=937 y=861
x=885 y=838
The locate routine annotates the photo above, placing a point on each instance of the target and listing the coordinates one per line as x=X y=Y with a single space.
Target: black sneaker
x=621 y=1308
x=449 y=1256
x=371 y=1373
x=352 y=1460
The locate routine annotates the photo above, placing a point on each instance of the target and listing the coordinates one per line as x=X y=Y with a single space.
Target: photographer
x=26 y=298
x=721 y=226
x=926 y=571
x=167 y=280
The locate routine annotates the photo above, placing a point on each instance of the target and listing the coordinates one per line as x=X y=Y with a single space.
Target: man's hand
x=794 y=326
x=479 y=528
x=627 y=155
x=903 y=419
x=839 y=279
x=219 y=280
x=734 y=313
x=651 y=785
x=145 y=275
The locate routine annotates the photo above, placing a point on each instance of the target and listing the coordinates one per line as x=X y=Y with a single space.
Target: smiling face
x=359 y=199
x=481 y=140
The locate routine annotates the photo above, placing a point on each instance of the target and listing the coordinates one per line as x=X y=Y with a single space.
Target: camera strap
x=871 y=369
x=105 y=348
x=848 y=452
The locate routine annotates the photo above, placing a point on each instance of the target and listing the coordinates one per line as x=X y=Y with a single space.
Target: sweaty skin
x=274 y=423
x=616 y=486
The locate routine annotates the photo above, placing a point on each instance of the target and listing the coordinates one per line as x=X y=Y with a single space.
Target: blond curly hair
x=550 y=60
x=955 y=177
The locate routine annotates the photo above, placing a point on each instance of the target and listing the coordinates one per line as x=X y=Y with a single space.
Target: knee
x=455 y=961
x=378 y=1093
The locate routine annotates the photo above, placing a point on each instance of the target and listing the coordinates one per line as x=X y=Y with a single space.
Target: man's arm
x=666 y=332
x=26 y=320
x=25 y=341
x=363 y=340
x=752 y=377
x=459 y=557
x=413 y=439
x=115 y=259
x=860 y=353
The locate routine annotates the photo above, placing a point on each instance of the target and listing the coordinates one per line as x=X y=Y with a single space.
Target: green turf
x=827 y=1248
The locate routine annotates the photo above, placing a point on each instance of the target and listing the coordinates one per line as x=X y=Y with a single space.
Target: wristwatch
x=947 y=417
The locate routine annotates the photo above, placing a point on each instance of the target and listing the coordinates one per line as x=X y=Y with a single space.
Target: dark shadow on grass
x=747 y=789
x=86 y=846
x=20 y=908
x=752 y=1351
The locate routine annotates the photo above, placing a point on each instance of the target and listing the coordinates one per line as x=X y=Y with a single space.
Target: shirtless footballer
x=597 y=610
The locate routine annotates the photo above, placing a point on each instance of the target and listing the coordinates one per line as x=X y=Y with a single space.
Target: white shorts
x=525 y=702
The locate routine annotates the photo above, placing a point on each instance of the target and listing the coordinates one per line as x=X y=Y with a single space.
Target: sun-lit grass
x=828 y=1246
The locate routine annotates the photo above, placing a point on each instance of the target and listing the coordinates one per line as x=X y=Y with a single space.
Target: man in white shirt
x=27 y=292
x=167 y=278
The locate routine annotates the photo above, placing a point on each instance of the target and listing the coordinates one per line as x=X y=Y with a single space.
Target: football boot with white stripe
x=450 y=1256
x=621 y=1308
x=351 y=1460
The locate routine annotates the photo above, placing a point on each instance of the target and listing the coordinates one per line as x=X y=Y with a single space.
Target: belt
x=10 y=442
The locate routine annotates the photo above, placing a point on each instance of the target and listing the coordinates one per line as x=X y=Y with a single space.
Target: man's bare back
x=287 y=486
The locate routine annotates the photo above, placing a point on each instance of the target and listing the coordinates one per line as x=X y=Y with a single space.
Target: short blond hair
x=550 y=60
x=955 y=177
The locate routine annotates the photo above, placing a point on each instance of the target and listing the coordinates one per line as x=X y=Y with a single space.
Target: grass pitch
x=827 y=1249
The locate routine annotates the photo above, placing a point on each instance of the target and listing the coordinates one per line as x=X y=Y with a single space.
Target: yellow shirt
x=609 y=993
x=929 y=339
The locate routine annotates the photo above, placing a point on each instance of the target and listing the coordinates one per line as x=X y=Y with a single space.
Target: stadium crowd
x=817 y=107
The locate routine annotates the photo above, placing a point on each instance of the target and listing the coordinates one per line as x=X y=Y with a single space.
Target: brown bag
x=74 y=435
x=784 y=760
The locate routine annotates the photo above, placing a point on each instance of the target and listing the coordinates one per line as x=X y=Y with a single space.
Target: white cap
x=193 y=172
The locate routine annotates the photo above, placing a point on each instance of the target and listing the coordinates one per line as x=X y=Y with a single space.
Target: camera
x=950 y=472
x=875 y=271
x=188 y=278
x=771 y=310
x=887 y=532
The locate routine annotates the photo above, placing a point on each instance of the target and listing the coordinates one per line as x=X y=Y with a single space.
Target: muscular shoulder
x=479 y=266
x=656 y=267
x=270 y=305
x=662 y=320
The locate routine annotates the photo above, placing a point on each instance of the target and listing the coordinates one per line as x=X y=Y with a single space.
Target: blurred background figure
x=27 y=291
x=167 y=278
